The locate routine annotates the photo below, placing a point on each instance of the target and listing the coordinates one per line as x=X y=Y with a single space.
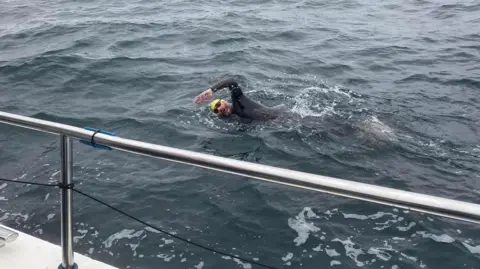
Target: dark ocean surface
x=383 y=92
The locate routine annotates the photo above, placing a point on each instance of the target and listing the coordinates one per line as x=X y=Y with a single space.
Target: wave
x=227 y=41
x=387 y=51
x=452 y=82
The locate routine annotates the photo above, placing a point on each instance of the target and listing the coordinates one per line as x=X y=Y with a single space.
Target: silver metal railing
x=382 y=195
x=66 y=178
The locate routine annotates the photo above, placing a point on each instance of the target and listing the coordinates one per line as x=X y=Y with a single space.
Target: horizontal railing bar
x=367 y=192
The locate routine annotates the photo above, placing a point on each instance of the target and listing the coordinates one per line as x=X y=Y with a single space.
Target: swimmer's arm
x=235 y=90
x=231 y=84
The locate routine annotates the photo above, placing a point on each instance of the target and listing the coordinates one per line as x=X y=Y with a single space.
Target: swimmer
x=241 y=105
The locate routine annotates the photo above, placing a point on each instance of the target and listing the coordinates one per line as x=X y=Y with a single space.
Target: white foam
x=3 y=186
x=472 y=249
x=184 y=260
x=408 y=227
x=408 y=257
x=334 y=262
x=167 y=241
x=380 y=253
x=335 y=89
x=438 y=238
x=200 y=265
x=90 y=251
x=244 y=265
x=5 y=216
x=287 y=257
x=151 y=230
x=385 y=224
x=355 y=216
x=46 y=196
x=318 y=248
x=365 y=217
x=2 y=198
x=50 y=216
x=167 y=257
x=350 y=251
x=331 y=252
x=125 y=233
x=302 y=227
x=329 y=213
x=25 y=217
x=310 y=213
x=95 y=234
x=78 y=237
x=134 y=248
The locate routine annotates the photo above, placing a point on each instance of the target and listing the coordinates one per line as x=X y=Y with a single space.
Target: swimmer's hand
x=204 y=96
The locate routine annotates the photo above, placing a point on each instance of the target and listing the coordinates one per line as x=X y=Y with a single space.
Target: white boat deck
x=30 y=252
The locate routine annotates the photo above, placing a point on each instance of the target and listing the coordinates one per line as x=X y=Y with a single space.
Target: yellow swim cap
x=213 y=103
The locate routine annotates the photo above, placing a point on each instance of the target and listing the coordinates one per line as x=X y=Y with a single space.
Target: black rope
x=70 y=186
x=31 y=183
x=65 y=186
x=172 y=235
x=92 y=140
x=60 y=185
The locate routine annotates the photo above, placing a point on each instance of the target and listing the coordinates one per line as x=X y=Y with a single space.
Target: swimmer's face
x=224 y=108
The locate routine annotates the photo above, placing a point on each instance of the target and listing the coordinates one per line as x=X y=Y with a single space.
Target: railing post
x=66 y=179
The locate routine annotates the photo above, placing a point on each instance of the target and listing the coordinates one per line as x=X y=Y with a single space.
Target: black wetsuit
x=242 y=105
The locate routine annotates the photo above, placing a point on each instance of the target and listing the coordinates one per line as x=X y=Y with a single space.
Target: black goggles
x=217 y=105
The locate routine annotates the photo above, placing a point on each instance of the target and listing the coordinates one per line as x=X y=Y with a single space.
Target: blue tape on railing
x=92 y=142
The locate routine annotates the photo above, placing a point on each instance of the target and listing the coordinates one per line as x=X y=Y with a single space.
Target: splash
x=375 y=130
x=310 y=103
